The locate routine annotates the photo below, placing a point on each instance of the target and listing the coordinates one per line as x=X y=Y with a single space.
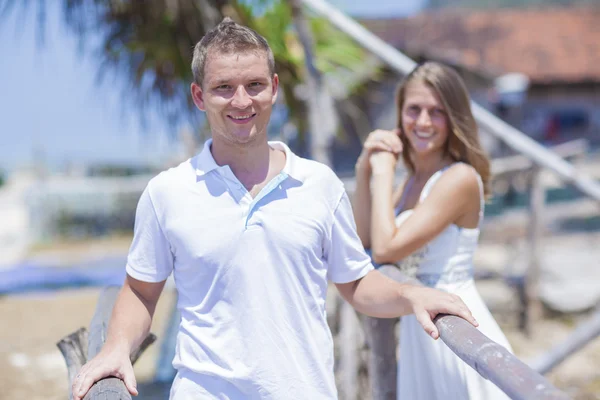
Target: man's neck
x=250 y=163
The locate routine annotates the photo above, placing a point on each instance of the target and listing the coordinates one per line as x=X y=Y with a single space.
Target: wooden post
x=349 y=358
x=80 y=347
x=74 y=349
x=381 y=338
x=537 y=198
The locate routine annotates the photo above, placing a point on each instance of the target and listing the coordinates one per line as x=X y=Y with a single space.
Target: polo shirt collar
x=206 y=163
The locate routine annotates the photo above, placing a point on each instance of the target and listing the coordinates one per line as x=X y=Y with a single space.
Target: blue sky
x=51 y=105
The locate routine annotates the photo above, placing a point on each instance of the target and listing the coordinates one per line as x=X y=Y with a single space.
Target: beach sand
x=31 y=366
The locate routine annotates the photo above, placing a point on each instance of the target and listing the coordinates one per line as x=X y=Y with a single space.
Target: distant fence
x=87 y=206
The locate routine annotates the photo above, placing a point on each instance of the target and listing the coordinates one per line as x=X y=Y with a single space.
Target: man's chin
x=244 y=137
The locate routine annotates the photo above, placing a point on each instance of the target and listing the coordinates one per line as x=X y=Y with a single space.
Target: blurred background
x=94 y=101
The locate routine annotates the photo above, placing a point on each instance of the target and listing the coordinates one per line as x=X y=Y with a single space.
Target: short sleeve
x=150 y=258
x=344 y=253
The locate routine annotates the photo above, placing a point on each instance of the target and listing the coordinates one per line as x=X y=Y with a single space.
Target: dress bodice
x=448 y=258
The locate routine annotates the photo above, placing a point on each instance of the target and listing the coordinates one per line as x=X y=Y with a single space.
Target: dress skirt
x=429 y=370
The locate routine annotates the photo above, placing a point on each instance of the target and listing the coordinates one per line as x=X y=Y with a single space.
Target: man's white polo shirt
x=251 y=275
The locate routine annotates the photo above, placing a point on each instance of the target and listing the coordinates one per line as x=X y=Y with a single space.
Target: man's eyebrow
x=219 y=82
x=224 y=81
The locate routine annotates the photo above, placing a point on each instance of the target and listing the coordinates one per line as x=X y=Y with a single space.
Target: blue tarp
x=30 y=276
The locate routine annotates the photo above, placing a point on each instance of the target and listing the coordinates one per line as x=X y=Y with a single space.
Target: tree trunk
x=322 y=115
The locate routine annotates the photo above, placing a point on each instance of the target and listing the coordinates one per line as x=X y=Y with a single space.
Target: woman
x=429 y=226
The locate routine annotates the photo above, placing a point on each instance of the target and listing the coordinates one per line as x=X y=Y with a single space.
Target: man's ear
x=198 y=96
x=275 y=88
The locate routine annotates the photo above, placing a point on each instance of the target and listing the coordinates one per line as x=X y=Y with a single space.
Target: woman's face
x=425 y=122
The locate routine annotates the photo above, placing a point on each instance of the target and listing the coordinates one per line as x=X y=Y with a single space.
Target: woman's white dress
x=427 y=368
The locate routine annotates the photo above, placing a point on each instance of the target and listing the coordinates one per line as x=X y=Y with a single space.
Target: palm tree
x=149 y=45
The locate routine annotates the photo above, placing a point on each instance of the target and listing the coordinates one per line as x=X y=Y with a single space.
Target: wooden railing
x=81 y=346
x=506 y=169
x=488 y=358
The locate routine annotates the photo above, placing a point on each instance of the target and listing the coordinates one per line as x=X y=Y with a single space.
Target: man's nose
x=241 y=99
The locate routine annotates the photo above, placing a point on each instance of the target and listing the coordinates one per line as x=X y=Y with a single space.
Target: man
x=252 y=233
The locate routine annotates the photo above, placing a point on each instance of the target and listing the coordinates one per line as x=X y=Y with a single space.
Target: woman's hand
x=379 y=140
x=382 y=162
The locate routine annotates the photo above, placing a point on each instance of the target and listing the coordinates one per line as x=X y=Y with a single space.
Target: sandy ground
x=32 y=367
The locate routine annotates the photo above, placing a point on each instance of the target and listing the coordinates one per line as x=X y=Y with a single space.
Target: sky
x=53 y=110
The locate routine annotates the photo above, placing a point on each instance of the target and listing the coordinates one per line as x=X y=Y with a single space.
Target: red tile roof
x=548 y=45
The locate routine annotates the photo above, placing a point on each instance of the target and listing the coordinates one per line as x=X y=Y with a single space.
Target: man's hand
x=427 y=303
x=106 y=363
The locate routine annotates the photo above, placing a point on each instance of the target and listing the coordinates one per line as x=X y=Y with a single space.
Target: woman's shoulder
x=462 y=174
x=459 y=178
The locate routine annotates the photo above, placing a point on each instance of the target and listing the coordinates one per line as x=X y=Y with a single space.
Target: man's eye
x=255 y=84
x=223 y=87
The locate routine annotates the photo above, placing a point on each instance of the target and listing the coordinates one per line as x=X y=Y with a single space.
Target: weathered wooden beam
x=110 y=388
x=494 y=362
x=488 y=358
x=74 y=349
x=582 y=335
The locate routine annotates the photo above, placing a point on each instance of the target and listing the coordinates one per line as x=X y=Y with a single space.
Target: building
x=557 y=49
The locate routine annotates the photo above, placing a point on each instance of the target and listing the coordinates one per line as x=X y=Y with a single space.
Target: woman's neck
x=426 y=166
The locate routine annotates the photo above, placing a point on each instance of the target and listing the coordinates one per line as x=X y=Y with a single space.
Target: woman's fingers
x=389 y=140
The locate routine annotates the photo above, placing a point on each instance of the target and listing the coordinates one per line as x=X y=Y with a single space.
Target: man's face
x=237 y=94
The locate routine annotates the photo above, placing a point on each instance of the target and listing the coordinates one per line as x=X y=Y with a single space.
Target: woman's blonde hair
x=463 y=138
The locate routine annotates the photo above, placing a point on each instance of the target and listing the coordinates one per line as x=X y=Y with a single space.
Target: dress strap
x=436 y=176
x=430 y=182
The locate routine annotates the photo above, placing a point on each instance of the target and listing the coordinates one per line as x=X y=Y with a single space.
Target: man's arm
x=379 y=296
x=129 y=325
